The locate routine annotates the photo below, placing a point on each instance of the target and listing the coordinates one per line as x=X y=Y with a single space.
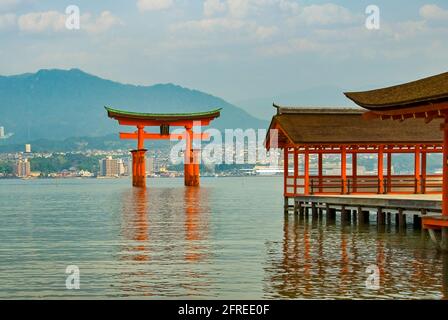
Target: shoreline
x=128 y=177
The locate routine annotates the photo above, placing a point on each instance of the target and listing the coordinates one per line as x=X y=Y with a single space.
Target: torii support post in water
x=164 y=121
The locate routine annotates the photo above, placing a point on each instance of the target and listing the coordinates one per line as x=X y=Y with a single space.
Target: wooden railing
x=396 y=184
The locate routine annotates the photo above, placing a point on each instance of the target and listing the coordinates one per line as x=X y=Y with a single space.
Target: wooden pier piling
x=389 y=210
x=381 y=220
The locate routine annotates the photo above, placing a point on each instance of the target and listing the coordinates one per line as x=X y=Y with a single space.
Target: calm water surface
x=228 y=239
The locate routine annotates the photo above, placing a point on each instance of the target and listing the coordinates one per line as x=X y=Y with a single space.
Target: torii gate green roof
x=115 y=113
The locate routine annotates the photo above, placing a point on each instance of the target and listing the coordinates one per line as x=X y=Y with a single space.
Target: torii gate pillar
x=191 y=161
x=139 y=160
x=139 y=168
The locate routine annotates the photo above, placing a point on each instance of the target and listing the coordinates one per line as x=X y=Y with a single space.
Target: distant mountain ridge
x=59 y=104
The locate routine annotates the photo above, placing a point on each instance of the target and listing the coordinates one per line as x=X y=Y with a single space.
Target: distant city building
x=150 y=166
x=111 y=167
x=85 y=174
x=2 y=132
x=210 y=167
x=121 y=167
x=23 y=168
x=35 y=174
x=126 y=166
x=28 y=148
x=155 y=165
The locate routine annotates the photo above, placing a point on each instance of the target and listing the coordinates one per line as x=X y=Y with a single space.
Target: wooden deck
x=417 y=202
x=360 y=207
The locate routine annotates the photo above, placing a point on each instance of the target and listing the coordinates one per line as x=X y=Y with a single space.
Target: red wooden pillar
x=140 y=138
x=423 y=179
x=355 y=170
x=187 y=155
x=190 y=177
x=307 y=171
x=134 y=167
x=389 y=171
x=445 y=168
x=381 y=169
x=344 y=169
x=195 y=167
x=138 y=160
x=138 y=168
x=285 y=171
x=320 y=170
x=417 y=165
x=296 y=168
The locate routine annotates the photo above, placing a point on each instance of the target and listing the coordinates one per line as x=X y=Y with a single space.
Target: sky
x=235 y=49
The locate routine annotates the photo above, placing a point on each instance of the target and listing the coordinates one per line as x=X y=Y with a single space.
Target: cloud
x=209 y=25
x=103 y=23
x=326 y=14
x=212 y=7
x=154 y=5
x=258 y=24
x=7 y=21
x=8 y=4
x=53 y=21
x=244 y=8
x=284 y=28
x=263 y=33
x=289 y=6
x=36 y=22
x=239 y=8
x=221 y=31
x=433 y=12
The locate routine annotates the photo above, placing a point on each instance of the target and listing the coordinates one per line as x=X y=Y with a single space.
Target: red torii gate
x=164 y=121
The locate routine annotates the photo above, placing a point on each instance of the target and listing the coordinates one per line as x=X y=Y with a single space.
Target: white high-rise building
x=2 y=132
x=121 y=167
x=28 y=148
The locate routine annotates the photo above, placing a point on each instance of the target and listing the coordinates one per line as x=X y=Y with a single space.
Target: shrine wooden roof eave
x=162 y=117
x=317 y=110
x=428 y=111
x=274 y=125
x=424 y=92
x=305 y=110
x=393 y=134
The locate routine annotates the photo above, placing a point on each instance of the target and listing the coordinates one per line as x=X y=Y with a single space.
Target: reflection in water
x=171 y=234
x=196 y=223
x=445 y=277
x=197 y=248
x=135 y=222
x=135 y=229
x=344 y=273
x=225 y=240
x=330 y=261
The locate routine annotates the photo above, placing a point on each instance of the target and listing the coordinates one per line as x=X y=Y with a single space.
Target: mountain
x=317 y=96
x=59 y=104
